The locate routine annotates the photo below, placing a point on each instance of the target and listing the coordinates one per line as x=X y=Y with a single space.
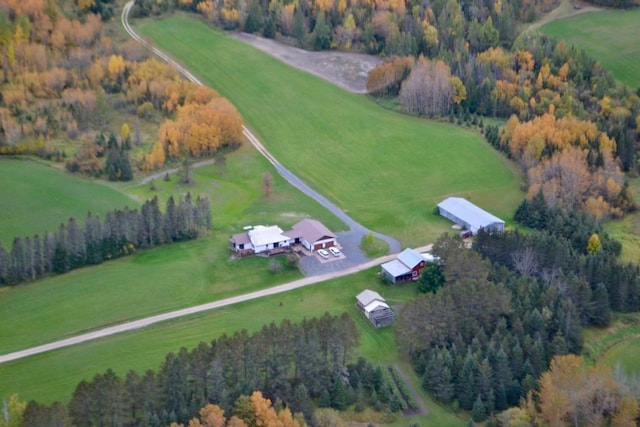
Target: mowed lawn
x=36 y=198
x=611 y=37
x=166 y=278
x=54 y=375
x=387 y=170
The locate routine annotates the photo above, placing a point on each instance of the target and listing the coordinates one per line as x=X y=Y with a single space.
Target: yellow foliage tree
x=12 y=416
x=125 y=132
x=116 y=66
x=572 y=394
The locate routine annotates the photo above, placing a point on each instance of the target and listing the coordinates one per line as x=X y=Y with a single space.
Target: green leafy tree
x=431 y=278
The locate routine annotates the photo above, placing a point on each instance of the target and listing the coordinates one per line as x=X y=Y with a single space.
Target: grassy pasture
x=626 y=354
x=387 y=170
x=37 y=198
x=611 y=37
x=53 y=376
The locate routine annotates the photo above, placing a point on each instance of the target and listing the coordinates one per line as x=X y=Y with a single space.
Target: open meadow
x=611 y=37
x=385 y=169
x=36 y=198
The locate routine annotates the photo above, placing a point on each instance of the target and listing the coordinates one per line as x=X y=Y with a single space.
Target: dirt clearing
x=346 y=70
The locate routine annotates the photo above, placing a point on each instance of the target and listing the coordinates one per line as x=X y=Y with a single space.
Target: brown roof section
x=311 y=230
x=240 y=239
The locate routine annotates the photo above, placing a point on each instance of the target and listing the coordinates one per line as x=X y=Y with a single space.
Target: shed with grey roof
x=375 y=308
x=467 y=215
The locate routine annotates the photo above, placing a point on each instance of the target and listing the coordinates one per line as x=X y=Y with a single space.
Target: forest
x=292 y=364
x=64 y=78
x=482 y=339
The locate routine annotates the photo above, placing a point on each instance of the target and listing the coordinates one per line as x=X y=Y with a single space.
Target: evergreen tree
x=600 y=311
x=479 y=411
x=300 y=27
x=255 y=20
x=321 y=35
x=338 y=395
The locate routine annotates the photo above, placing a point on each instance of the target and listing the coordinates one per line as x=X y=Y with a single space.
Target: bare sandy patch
x=346 y=70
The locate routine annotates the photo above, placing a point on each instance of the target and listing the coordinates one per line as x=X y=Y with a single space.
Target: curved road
x=394 y=245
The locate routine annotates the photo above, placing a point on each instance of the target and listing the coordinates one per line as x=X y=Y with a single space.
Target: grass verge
x=373 y=246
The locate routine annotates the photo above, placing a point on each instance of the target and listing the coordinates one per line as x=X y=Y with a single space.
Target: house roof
x=311 y=230
x=410 y=258
x=396 y=268
x=469 y=213
x=263 y=235
x=240 y=239
x=367 y=296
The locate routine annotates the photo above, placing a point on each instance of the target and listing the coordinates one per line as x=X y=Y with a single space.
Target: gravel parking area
x=352 y=255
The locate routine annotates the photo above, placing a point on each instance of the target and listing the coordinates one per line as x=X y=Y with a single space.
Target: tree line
x=295 y=365
x=512 y=303
x=121 y=233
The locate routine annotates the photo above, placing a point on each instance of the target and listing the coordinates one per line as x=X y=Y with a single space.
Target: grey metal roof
x=469 y=213
x=374 y=305
x=410 y=258
x=368 y=296
x=396 y=268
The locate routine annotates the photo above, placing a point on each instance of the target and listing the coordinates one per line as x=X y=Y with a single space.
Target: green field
x=611 y=37
x=37 y=198
x=627 y=354
x=386 y=169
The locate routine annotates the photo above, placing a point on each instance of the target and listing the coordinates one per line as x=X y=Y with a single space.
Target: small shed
x=406 y=266
x=312 y=234
x=375 y=308
x=467 y=215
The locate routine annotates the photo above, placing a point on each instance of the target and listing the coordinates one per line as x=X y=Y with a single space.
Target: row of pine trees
x=121 y=233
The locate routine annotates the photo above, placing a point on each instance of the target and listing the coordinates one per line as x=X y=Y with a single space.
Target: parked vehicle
x=334 y=251
x=324 y=254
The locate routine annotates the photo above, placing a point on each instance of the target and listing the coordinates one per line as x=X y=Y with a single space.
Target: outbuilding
x=406 y=266
x=467 y=215
x=375 y=308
